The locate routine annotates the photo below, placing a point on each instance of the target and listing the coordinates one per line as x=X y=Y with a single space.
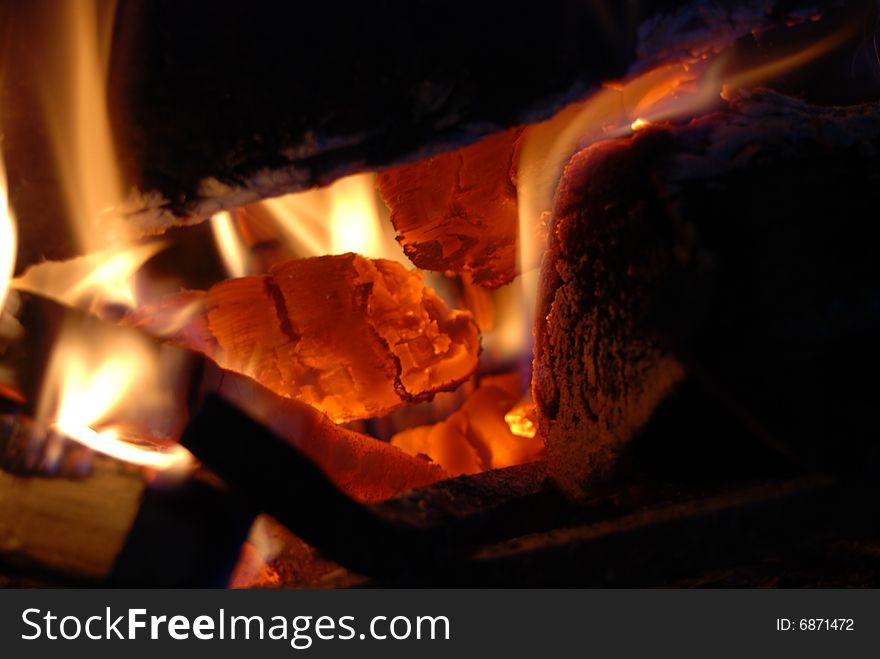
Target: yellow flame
x=95 y=373
x=300 y=217
x=672 y=91
x=345 y=216
x=108 y=443
x=8 y=238
x=91 y=281
x=75 y=104
x=230 y=245
x=75 y=99
x=354 y=216
x=759 y=74
x=89 y=379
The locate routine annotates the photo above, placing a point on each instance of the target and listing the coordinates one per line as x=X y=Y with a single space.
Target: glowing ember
x=522 y=420
x=456 y=211
x=478 y=436
x=640 y=124
x=369 y=336
x=264 y=543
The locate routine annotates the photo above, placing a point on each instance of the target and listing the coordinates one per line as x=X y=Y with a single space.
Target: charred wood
x=359 y=87
x=352 y=336
x=457 y=211
x=736 y=248
x=365 y=468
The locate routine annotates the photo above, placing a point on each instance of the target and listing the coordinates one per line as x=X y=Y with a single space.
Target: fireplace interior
x=393 y=294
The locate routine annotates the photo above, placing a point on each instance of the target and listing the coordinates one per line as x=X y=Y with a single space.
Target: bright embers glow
x=639 y=124
x=489 y=431
x=345 y=216
x=89 y=378
x=8 y=238
x=522 y=420
x=231 y=247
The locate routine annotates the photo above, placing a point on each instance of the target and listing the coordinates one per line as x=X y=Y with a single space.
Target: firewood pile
x=640 y=327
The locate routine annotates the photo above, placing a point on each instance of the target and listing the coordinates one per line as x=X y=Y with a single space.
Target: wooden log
x=363 y=467
x=354 y=337
x=279 y=480
x=104 y=521
x=290 y=119
x=75 y=527
x=457 y=211
x=199 y=127
x=736 y=247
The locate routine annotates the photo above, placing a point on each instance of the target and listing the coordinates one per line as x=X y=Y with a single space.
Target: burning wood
x=457 y=211
x=478 y=437
x=360 y=466
x=77 y=527
x=353 y=337
x=702 y=245
x=89 y=518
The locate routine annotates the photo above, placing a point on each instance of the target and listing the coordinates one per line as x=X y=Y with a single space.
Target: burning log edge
x=351 y=336
x=266 y=471
x=737 y=249
x=290 y=121
x=114 y=526
x=25 y=534
x=504 y=526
